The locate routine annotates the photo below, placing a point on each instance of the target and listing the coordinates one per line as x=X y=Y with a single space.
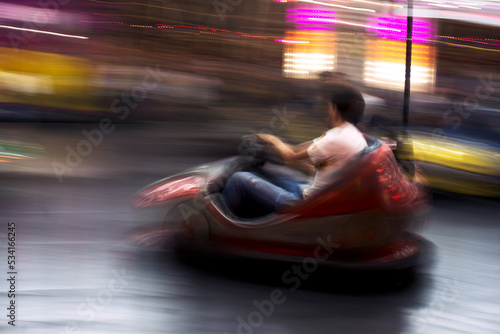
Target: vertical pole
x=409 y=33
x=407 y=162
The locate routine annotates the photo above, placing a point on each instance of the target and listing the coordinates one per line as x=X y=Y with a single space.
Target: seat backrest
x=351 y=168
x=352 y=171
x=373 y=144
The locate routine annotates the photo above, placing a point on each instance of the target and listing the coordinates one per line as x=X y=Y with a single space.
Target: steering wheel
x=260 y=150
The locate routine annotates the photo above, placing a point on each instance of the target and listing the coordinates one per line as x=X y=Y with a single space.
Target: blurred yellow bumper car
x=455 y=165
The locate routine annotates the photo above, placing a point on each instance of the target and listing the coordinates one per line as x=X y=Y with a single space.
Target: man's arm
x=293 y=152
x=292 y=155
x=286 y=151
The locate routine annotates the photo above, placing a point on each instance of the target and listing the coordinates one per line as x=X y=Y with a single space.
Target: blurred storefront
x=367 y=41
x=364 y=39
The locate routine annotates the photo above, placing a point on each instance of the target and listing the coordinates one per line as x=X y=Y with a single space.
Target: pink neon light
x=315 y=22
x=310 y=18
x=307 y=10
x=422 y=31
x=314 y=28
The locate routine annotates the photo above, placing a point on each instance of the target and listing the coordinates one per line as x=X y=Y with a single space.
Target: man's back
x=331 y=152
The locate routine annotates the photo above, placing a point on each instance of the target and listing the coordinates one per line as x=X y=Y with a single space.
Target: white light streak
x=471 y=7
x=43 y=32
x=291 y=41
x=339 y=6
x=378 y=3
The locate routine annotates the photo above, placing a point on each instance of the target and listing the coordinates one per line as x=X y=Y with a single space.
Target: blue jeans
x=271 y=196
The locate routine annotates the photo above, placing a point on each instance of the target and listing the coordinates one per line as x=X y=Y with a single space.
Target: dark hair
x=348 y=100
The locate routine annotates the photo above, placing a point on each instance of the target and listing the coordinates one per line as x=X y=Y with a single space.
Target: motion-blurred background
x=99 y=98
x=233 y=63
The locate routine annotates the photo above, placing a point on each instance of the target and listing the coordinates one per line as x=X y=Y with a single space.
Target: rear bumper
x=424 y=252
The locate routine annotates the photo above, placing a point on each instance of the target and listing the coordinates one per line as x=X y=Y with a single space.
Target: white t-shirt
x=332 y=151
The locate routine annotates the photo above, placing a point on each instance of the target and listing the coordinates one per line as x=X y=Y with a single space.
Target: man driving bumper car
x=344 y=107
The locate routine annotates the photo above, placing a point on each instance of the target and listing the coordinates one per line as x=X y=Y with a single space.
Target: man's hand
x=286 y=152
x=292 y=156
x=269 y=138
x=279 y=146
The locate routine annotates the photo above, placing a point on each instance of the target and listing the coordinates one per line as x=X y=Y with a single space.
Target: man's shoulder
x=342 y=132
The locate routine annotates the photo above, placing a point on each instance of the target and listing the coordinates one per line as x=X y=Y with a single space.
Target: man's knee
x=240 y=177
